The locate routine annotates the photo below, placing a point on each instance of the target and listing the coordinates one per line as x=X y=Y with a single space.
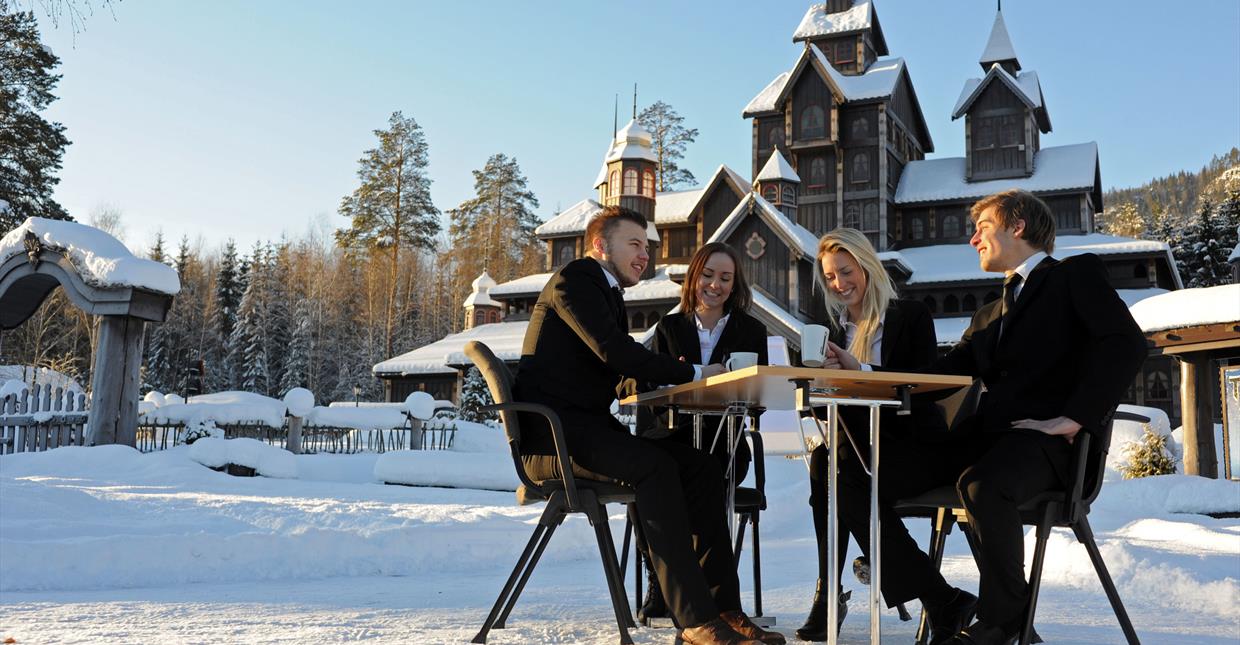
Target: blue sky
x=246 y=119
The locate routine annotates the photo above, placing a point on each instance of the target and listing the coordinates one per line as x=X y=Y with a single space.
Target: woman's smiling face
x=844 y=277
x=714 y=285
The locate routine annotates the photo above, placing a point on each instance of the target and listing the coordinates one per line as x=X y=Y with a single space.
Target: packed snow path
x=108 y=545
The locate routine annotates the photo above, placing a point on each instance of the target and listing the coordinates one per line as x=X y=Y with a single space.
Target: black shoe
x=815 y=627
x=947 y=621
x=653 y=606
x=980 y=633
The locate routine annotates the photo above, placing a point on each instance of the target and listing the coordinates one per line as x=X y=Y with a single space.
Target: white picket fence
x=41 y=418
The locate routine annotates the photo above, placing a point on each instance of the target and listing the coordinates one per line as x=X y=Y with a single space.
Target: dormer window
x=770 y=193
x=813 y=122
x=630 y=181
x=845 y=52
x=648 y=183
x=790 y=196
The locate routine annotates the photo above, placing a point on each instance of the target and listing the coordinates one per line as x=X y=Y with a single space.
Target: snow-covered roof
x=483 y=281
x=777 y=313
x=1059 y=168
x=1189 y=308
x=797 y=237
x=504 y=338
x=999 y=46
x=778 y=168
x=878 y=81
x=100 y=259
x=959 y=263
x=1025 y=85
x=523 y=286
x=479 y=296
x=570 y=221
x=1133 y=296
x=658 y=287
x=632 y=142
x=676 y=207
x=765 y=100
x=817 y=22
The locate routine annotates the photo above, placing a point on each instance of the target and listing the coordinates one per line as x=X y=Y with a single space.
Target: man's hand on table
x=1061 y=426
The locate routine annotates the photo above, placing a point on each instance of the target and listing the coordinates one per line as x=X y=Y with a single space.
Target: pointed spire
x=999 y=47
x=615 y=118
x=635 y=100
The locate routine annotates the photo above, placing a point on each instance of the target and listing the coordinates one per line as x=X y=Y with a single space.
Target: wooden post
x=294 y=435
x=114 y=382
x=1195 y=393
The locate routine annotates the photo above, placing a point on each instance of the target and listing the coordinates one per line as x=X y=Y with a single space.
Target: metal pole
x=876 y=559
x=727 y=481
x=833 y=573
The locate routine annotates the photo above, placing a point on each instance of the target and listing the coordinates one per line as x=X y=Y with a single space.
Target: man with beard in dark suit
x=1055 y=354
x=577 y=352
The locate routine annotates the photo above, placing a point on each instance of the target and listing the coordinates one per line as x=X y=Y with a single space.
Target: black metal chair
x=1058 y=508
x=562 y=496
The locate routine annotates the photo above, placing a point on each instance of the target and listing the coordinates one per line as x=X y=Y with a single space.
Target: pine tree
x=295 y=372
x=1148 y=456
x=495 y=229
x=1201 y=256
x=228 y=290
x=669 y=138
x=1124 y=220
x=30 y=147
x=249 y=341
x=474 y=395
x=392 y=207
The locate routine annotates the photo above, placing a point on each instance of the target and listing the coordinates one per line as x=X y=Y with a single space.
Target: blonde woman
x=876 y=329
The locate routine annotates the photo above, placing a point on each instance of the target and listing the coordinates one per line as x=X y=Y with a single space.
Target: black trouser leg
x=1017 y=466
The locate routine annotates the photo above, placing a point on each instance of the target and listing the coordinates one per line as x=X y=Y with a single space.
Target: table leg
x=833 y=573
x=727 y=480
x=876 y=560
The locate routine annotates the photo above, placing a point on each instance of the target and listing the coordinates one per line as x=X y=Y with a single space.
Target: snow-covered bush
x=1148 y=457
x=475 y=395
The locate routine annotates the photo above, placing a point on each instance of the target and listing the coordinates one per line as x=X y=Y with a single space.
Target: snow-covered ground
x=109 y=545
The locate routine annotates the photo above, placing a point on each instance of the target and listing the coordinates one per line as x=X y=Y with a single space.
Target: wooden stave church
x=867 y=109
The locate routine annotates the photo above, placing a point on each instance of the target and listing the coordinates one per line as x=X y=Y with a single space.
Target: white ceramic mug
x=741 y=360
x=813 y=345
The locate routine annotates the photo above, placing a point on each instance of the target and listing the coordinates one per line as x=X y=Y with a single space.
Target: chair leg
x=639 y=544
x=740 y=537
x=1035 y=570
x=624 y=550
x=552 y=515
x=1086 y=536
x=940 y=526
x=611 y=571
x=502 y=621
x=757 y=568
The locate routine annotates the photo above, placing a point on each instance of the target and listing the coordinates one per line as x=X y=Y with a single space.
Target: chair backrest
x=499 y=381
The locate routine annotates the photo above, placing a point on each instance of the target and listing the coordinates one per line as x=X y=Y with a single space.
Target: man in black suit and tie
x=1055 y=354
x=577 y=353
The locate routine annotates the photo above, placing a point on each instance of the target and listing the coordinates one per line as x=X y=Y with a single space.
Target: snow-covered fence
x=41 y=419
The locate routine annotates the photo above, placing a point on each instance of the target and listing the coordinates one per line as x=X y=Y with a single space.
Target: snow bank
x=267 y=460
x=478 y=437
x=358 y=418
x=1188 y=307
x=102 y=260
x=448 y=468
x=221 y=408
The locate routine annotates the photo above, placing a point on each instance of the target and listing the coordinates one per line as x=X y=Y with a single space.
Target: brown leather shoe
x=741 y=624
x=715 y=632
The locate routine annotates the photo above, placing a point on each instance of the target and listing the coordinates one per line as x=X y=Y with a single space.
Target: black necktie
x=1009 y=298
x=617 y=295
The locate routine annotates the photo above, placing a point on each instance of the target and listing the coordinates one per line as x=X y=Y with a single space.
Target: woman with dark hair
x=867 y=319
x=711 y=323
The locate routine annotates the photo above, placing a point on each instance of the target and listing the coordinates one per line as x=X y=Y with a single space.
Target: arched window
x=917 y=229
x=648 y=183
x=630 y=181
x=639 y=321
x=775 y=138
x=861 y=168
x=931 y=304
x=852 y=216
x=991 y=296
x=1157 y=386
x=951 y=305
x=860 y=127
x=870 y=221
x=567 y=254
x=790 y=196
x=613 y=184
x=770 y=193
x=951 y=226
x=813 y=122
x=818 y=172
x=970 y=302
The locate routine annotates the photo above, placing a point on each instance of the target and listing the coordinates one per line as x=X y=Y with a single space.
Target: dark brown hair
x=1016 y=204
x=741 y=296
x=607 y=220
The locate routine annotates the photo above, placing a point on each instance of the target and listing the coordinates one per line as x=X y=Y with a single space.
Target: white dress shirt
x=1025 y=269
x=708 y=338
x=876 y=345
x=615 y=284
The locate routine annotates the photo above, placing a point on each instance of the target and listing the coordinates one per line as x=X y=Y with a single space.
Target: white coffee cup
x=813 y=345
x=741 y=360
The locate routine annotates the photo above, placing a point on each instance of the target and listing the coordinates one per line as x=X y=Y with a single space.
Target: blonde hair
x=879 y=290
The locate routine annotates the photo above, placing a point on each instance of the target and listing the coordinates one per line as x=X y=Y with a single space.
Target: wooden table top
x=772 y=387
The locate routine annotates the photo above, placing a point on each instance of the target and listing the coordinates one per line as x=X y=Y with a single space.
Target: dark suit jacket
x=909 y=344
x=576 y=352
x=1069 y=348
x=676 y=336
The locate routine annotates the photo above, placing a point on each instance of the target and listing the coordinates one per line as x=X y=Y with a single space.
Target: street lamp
x=357 y=391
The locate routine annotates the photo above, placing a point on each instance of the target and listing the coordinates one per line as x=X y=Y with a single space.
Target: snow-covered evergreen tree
x=228 y=290
x=669 y=138
x=474 y=395
x=301 y=345
x=1201 y=254
x=1124 y=220
x=249 y=341
x=30 y=147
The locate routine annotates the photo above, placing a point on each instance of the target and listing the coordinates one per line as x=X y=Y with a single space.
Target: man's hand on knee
x=1061 y=426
